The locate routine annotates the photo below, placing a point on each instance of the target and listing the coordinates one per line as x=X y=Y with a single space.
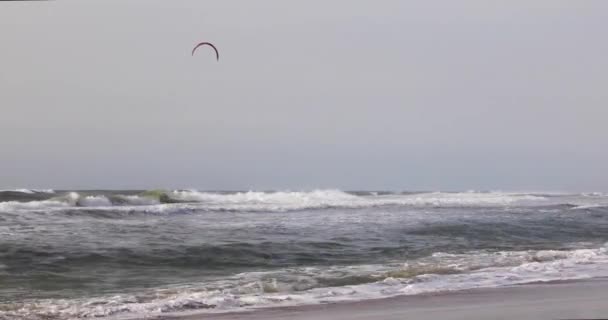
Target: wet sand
x=565 y=300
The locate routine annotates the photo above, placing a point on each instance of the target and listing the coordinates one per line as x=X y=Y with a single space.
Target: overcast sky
x=439 y=95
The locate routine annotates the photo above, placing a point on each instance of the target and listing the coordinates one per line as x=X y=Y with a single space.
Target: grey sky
x=508 y=95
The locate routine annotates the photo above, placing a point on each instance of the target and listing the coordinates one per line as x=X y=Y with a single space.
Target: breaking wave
x=264 y=201
x=30 y=191
x=438 y=272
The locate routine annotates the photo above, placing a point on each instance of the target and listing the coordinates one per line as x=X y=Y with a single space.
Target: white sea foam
x=274 y=201
x=32 y=205
x=309 y=285
x=289 y=201
x=76 y=200
x=285 y=201
x=30 y=191
x=93 y=201
x=594 y=194
x=589 y=206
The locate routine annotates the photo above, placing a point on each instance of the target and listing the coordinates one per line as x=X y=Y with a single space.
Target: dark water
x=111 y=253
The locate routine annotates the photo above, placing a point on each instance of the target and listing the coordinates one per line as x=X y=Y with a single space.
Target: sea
x=132 y=254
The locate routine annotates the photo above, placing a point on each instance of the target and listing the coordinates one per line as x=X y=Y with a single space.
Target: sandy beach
x=564 y=300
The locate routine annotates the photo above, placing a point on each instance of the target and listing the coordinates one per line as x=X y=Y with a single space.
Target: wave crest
x=267 y=201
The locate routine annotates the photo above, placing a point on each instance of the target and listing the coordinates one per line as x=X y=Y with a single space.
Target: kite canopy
x=217 y=54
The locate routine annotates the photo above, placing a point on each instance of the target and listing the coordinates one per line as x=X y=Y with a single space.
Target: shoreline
x=571 y=299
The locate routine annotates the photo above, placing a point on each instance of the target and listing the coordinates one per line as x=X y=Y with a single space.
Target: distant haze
x=425 y=95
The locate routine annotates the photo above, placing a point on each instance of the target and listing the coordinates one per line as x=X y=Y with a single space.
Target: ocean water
x=130 y=254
